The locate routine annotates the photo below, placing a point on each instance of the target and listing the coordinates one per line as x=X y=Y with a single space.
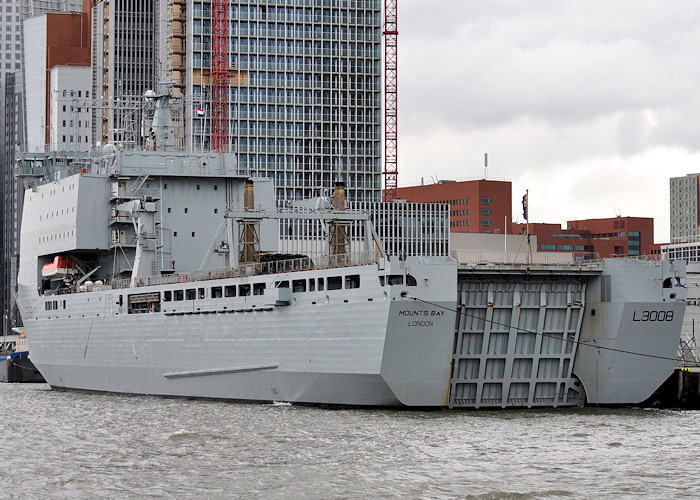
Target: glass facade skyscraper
x=305 y=89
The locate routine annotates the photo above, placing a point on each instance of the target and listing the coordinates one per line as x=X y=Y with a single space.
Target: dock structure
x=681 y=390
x=15 y=365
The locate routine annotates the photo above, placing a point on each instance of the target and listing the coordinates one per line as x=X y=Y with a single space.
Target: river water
x=73 y=445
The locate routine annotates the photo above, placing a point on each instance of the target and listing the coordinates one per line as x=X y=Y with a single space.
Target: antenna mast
x=391 y=35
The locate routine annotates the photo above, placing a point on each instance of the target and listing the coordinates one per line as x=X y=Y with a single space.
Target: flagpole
x=527 y=224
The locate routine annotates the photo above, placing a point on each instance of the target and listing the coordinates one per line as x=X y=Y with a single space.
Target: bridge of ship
x=516 y=335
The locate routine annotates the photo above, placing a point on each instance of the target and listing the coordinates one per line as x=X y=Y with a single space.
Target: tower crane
x=391 y=35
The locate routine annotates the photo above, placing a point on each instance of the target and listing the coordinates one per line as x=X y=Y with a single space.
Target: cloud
x=562 y=95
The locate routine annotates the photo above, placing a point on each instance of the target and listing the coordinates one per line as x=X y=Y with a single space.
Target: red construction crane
x=391 y=36
x=220 y=75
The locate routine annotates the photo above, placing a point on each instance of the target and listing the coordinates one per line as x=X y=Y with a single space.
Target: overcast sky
x=591 y=105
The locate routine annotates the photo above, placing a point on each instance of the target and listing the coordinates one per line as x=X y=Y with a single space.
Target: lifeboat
x=60 y=268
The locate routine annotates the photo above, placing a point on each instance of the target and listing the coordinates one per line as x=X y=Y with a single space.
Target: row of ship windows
x=52 y=305
x=298 y=286
x=63 y=190
x=56 y=214
x=56 y=236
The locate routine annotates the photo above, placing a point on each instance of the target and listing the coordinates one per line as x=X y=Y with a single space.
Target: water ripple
x=72 y=445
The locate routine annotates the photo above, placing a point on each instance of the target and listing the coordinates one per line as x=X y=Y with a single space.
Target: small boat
x=59 y=268
x=15 y=365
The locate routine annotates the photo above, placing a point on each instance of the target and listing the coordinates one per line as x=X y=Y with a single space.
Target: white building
x=684 y=212
x=70 y=123
x=35 y=49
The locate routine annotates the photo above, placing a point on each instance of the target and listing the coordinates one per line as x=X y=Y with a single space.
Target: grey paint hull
x=343 y=347
x=376 y=345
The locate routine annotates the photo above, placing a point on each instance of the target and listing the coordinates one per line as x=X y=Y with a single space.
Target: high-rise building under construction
x=304 y=95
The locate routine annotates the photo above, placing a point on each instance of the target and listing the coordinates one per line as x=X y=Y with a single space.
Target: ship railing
x=255 y=269
x=120 y=283
x=473 y=257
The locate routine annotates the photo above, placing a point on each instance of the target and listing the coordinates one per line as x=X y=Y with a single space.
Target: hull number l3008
x=652 y=316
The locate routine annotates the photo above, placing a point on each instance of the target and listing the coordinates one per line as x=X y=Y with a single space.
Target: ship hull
x=377 y=345
x=367 y=346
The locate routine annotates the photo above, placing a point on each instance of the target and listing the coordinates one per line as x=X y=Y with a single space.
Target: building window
x=548 y=246
x=485 y=222
x=566 y=247
x=485 y=211
x=486 y=201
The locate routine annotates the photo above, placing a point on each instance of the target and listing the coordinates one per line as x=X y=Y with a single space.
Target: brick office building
x=478 y=206
x=595 y=238
x=485 y=206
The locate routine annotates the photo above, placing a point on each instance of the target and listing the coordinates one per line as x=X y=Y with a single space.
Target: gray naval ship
x=160 y=272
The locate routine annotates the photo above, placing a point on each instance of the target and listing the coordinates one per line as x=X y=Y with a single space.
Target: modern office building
x=70 y=121
x=684 y=206
x=595 y=238
x=13 y=136
x=56 y=70
x=405 y=229
x=304 y=100
x=476 y=206
x=124 y=67
x=485 y=207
